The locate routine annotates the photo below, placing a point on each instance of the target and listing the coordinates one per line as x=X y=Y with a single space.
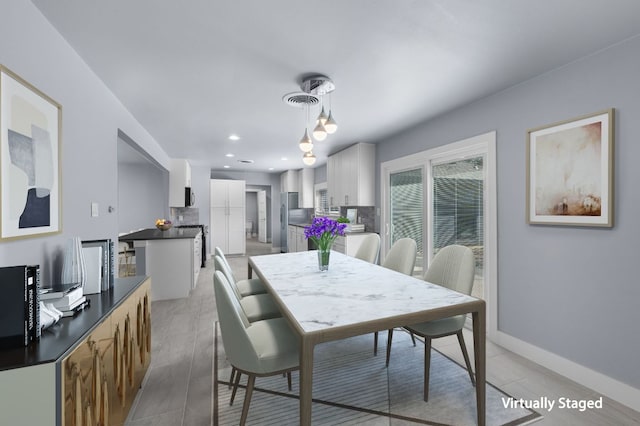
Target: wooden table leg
x=479 y=349
x=249 y=271
x=306 y=380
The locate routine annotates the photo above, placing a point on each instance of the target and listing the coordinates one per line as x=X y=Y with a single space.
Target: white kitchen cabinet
x=306 y=193
x=296 y=240
x=349 y=243
x=289 y=181
x=292 y=240
x=179 y=179
x=227 y=227
x=301 y=242
x=170 y=262
x=197 y=259
x=351 y=176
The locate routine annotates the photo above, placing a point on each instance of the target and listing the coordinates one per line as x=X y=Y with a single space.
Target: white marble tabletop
x=351 y=292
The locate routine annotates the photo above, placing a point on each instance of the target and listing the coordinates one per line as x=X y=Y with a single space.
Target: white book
x=93 y=266
x=67 y=299
x=69 y=306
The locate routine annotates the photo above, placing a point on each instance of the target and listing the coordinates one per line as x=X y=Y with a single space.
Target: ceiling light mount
x=318 y=85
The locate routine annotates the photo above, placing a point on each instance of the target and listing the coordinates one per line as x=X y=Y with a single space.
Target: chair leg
x=235 y=387
x=413 y=338
x=427 y=365
x=233 y=375
x=247 y=399
x=389 y=338
x=466 y=356
x=375 y=343
x=289 y=380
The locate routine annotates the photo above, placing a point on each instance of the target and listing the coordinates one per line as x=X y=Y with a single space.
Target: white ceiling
x=193 y=72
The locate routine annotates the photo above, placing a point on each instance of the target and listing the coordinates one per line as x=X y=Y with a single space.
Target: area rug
x=351 y=386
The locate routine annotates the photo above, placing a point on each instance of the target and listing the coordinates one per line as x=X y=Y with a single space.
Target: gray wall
x=142 y=195
x=568 y=290
x=91 y=118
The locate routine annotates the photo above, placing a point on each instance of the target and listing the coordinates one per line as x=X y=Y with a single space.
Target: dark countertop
x=156 y=234
x=58 y=339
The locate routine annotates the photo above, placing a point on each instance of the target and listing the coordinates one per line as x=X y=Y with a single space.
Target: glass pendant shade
x=306 y=144
x=308 y=158
x=319 y=133
x=330 y=125
x=322 y=117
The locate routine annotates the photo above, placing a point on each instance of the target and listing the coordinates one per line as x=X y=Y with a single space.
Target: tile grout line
x=193 y=354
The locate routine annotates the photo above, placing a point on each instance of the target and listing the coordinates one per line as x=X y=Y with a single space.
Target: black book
x=19 y=312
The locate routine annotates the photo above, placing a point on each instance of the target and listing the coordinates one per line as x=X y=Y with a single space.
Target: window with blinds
x=407 y=206
x=458 y=214
x=322 y=204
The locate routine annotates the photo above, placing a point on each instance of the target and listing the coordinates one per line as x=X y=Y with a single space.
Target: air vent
x=245 y=161
x=300 y=99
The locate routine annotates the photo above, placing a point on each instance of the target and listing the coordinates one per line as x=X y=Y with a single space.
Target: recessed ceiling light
x=226 y=167
x=234 y=137
x=229 y=155
x=284 y=158
x=270 y=168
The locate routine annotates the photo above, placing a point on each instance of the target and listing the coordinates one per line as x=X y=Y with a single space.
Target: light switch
x=94 y=209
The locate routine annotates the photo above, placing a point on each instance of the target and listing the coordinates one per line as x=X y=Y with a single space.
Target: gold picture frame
x=30 y=153
x=570 y=172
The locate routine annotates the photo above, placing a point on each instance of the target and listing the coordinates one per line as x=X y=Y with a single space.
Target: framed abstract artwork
x=570 y=172
x=30 y=187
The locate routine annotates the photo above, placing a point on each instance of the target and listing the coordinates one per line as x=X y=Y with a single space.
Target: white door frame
x=485 y=145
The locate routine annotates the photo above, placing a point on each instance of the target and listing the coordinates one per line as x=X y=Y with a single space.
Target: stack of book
x=68 y=299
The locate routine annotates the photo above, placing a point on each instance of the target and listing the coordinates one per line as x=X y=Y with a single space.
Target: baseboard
x=611 y=388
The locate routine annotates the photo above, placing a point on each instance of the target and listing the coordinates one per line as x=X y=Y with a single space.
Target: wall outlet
x=94 y=209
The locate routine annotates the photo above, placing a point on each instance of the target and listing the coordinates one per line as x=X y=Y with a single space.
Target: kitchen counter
x=171 y=258
x=62 y=336
x=156 y=234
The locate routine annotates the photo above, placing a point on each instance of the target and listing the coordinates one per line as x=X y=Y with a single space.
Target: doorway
x=258 y=227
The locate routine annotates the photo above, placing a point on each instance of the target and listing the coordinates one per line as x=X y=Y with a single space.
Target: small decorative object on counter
x=163 y=224
x=323 y=232
x=73 y=267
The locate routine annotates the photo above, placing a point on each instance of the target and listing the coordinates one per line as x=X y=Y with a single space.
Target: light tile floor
x=178 y=387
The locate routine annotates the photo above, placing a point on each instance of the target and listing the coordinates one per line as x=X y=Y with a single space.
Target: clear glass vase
x=323 y=258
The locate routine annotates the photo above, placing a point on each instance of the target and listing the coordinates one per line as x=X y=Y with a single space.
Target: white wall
x=91 y=117
x=571 y=292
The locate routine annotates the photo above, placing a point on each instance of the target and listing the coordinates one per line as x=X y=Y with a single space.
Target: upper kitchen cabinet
x=306 y=190
x=179 y=179
x=351 y=176
x=289 y=181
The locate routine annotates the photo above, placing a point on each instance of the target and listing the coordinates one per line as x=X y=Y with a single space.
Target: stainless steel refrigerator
x=290 y=214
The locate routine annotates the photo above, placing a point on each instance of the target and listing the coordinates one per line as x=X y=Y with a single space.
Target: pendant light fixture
x=314 y=87
x=319 y=133
x=330 y=124
x=308 y=158
x=306 y=144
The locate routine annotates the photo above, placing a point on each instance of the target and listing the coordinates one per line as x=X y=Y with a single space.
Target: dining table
x=354 y=297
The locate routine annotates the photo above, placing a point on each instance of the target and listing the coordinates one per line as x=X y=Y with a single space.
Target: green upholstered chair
x=369 y=249
x=257 y=349
x=401 y=258
x=452 y=267
x=245 y=287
